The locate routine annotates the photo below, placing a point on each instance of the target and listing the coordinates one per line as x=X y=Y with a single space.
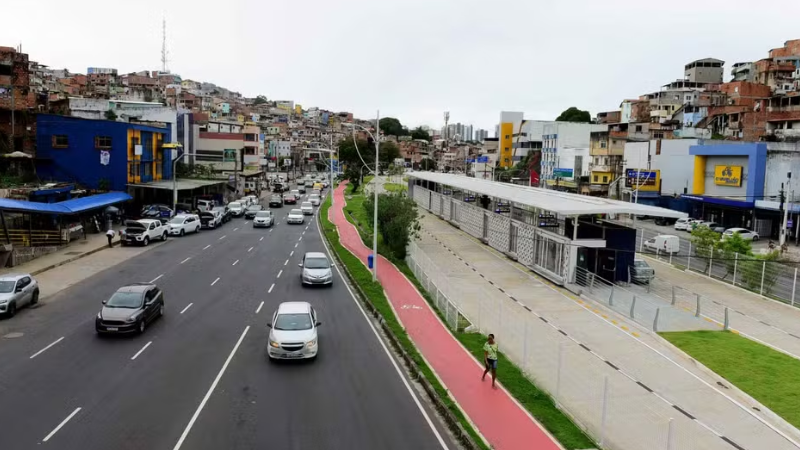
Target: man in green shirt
x=490 y=359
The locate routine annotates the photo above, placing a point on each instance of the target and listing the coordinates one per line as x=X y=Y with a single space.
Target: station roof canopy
x=185 y=184
x=73 y=206
x=563 y=203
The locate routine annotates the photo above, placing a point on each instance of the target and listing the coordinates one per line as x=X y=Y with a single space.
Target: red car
x=289 y=199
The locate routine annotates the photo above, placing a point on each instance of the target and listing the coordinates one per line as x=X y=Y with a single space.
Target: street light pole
x=175 y=181
x=375 y=187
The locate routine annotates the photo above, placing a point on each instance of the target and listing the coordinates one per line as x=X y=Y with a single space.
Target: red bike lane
x=496 y=415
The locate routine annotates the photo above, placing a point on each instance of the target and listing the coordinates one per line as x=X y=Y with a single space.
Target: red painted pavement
x=504 y=424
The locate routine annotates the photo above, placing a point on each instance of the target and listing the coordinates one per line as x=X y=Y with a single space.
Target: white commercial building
x=565 y=149
x=125 y=111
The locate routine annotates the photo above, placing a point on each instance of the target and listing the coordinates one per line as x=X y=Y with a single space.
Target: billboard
x=728 y=176
x=562 y=173
x=644 y=180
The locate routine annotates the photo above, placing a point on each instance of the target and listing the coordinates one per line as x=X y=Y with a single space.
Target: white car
x=16 y=291
x=684 y=224
x=263 y=219
x=293 y=332
x=314 y=199
x=237 y=209
x=307 y=208
x=184 y=223
x=143 y=231
x=746 y=234
x=295 y=216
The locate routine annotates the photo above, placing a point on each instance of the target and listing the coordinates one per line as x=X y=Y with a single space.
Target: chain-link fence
x=608 y=404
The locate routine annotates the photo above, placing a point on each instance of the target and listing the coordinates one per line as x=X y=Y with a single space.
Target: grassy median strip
x=538 y=403
x=395 y=187
x=765 y=374
x=375 y=295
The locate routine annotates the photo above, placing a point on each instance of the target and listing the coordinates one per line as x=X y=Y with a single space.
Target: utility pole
x=784 y=209
x=375 y=188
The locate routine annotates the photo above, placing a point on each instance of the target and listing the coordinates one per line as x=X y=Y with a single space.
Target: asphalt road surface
x=199 y=378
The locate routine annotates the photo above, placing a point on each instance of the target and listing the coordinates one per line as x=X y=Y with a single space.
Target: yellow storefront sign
x=728 y=176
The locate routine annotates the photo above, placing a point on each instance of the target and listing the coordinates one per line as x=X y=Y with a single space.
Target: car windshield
x=314 y=197
x=292 y=322
x=7 y=286
x=306 y=205
x=235 y=205
x=125 y=300
x=295 y=211
x=263 y=214
x=640 y=264
x=178 y=220
x=316 y=263
x=254 y=208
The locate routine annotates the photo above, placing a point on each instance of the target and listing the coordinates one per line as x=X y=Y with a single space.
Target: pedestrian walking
x=110 y=235
x=490 y=359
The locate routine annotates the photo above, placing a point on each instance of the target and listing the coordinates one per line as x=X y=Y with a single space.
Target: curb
x=68 y=260
x=450 y=420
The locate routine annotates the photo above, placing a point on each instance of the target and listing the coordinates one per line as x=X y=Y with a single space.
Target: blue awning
x=74 y=206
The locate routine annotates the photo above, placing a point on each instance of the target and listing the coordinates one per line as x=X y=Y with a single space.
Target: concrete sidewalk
x=581 y=353
x=767 y=321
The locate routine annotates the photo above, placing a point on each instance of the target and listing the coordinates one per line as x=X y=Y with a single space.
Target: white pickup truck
x=143 y=231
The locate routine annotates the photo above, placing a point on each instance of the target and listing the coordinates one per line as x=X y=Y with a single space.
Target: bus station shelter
x=551 y=232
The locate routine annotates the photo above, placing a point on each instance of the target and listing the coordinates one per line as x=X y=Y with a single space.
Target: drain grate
x=73 y=253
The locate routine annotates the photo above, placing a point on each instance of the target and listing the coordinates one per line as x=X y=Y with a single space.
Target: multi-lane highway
x=199 y=378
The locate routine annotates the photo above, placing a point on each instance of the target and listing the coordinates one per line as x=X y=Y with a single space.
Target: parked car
x=157 y=211
x=263 y=219
x=314 y=199
x=143 y=231
x=664 y=243
x=16 y=291
x=237 y=209
x=641 y=272
x=746 y=234
x=684 y=224
x=184 y=223
x=205 y=204
x=130 y=309
x=664 y=221
x=293 y=332
x=307 y=208
x=713 y=225
x=275 y=201
x=289 y=199
x=295 y=216
x=316 y=269
x=224 y=211
x=252 y=210
x=209 y=220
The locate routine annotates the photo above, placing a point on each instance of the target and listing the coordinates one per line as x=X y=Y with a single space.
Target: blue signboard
x=483 y=159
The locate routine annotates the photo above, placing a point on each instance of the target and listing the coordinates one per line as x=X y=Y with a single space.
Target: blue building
x=101 y=154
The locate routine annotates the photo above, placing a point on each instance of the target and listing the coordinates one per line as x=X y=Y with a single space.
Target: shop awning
x=74 y=206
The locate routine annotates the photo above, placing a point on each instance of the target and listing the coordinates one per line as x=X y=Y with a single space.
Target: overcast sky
x=411 y=59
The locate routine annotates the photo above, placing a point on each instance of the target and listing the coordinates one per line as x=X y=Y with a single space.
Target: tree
x=419 y=133
x=110 y=115
x=389 y=151
x=393 y=127
x=398 y=218
x=427 y=164
x=573 y=114
x=732 y=248
x=260 y=100
x=705 y=241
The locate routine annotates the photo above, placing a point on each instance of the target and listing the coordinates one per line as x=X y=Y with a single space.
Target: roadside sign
x=790 y=223
x=483 y=159
x=563 y=173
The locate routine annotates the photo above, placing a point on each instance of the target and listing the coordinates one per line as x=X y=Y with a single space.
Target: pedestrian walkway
x=503 y=423
x=625 y=385
x=767 y=321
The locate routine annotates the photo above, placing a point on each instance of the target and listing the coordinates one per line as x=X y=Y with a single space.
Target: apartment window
x=638 y=128
x=508 y=136
x=102 y=142
x=595 y=178
x=60 y=141
x=605 y=178
x=658 y=135
x=602 y=144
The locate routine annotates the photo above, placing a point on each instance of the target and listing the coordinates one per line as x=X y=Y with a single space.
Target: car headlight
x=132 y=319
x=274 y=344
x=312 y=343
x=3 y=302
x=99 y=315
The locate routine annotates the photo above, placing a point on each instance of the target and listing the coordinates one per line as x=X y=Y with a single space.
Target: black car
x=130 y=309
x=252 y=210
x=275 y=201
x=226 y=213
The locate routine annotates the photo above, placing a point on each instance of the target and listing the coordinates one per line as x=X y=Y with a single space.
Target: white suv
x=143 y=231
x=293 y=333
x=184 y=223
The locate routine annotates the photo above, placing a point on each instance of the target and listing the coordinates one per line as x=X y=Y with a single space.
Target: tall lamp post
x=375 y=213
x=174 y=146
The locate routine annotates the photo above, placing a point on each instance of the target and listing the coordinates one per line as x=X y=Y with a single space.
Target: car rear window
x=295 y=211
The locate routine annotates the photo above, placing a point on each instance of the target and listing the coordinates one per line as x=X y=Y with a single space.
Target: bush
x=397 y=220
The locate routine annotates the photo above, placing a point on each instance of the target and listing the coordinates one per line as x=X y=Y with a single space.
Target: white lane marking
x=286 y=263
x=235 y=262
x=140 y=351
x=235 y=229
x=187 y=307
x=210 y=391
x=386 y=350
x=279 y=273
x=223 y=237
x=270 y=288
x=186 y=260
x=262 y=238
x=244 y=223
x=156 y=278
x=304 y=233
x=295 y=245
x=215 y=281
x=270 y=230
x=291 y=253
x=206 y=247
x=301 y=238
x=249 y=249
x=64 y=422
x=43 y=350
x=259 y=307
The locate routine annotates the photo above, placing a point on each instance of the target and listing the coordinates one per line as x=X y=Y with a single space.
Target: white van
x=664 y=243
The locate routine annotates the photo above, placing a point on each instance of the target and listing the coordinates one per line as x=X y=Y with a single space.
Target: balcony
x=692 y=133
x=618 y=134
x=782 y=134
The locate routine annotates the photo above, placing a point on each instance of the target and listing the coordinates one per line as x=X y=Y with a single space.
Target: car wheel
x=12 y=309
x=35 y=298
x=755 y=238
x=146 y=241
x=142 y=326
x=161 y=310
x=183 y=233
x=197 y=229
